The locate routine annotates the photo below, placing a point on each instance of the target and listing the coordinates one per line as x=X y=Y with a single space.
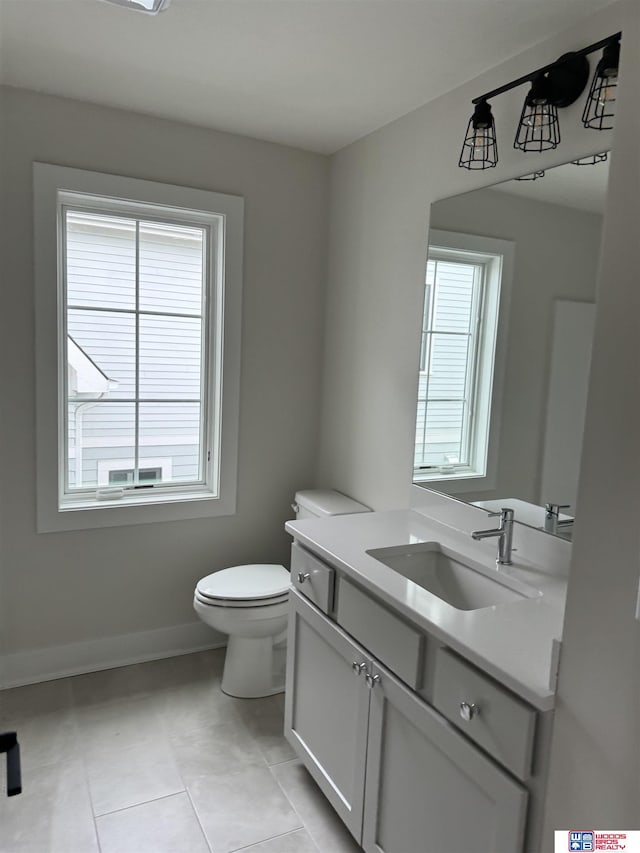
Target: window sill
x=141 y=509
x=454 y=484
x=137 y=498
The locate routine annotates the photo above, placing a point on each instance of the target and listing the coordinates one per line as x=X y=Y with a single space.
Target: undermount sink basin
x=460 y=582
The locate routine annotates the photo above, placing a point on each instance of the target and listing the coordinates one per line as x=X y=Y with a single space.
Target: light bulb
x=540 y=116
x=608 y=93
x=480 y=137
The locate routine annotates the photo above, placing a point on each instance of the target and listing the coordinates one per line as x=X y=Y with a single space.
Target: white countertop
x=512 y=642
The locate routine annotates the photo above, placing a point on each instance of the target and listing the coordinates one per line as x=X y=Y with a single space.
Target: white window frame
x=216 y=496
x=498 y=255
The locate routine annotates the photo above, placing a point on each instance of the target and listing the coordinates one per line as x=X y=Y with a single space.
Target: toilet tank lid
x=259 y=580
x=324 y=502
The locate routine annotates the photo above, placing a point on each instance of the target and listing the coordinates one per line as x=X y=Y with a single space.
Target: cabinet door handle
x=303 y=576
x=358 y=668
x=468 y=711
x=371 y=680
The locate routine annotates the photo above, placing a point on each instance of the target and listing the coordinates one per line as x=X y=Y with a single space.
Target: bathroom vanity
x=420 y=682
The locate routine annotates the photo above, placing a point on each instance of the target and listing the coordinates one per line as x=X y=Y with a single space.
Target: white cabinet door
x=428 y=789
x=327 y=708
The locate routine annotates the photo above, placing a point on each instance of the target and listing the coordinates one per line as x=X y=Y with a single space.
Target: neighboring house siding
x=101 y=268
x=439 y=425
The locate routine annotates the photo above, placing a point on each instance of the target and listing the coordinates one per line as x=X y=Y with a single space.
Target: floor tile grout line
x=253 y=739
x=283 y=761
x=188 y=792
x=304 y=823
x=95 y=829
x=273 y=837
x=83 y=764
x=197 y=817
x=288 y=798
x=141 y=803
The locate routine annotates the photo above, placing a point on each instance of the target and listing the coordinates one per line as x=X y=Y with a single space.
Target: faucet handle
x=554 y=509
x=506 y=513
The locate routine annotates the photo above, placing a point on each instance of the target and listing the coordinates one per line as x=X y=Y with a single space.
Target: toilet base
x=254 y=667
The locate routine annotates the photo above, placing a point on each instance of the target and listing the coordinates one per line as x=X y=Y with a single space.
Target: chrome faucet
x=504 y=533
x=552 y=520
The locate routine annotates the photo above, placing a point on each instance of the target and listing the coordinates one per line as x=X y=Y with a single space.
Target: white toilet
x=250 y=604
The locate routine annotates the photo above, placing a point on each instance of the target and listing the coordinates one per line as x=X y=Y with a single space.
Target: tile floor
x=154 y=758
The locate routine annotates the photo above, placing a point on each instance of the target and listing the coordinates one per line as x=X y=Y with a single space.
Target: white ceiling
x=317 y=74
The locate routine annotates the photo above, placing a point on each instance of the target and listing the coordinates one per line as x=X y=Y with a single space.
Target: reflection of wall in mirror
x=556 y=257
x=567 y=400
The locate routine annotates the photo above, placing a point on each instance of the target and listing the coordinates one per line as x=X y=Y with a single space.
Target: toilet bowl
x=250 y=604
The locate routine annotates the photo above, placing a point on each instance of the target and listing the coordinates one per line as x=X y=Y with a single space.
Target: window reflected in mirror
x=506 y=342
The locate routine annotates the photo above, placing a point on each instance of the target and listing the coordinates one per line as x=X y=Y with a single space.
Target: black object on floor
x=9 y=744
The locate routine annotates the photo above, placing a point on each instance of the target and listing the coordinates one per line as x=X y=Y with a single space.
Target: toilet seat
x=241 y=603
x=255 y=585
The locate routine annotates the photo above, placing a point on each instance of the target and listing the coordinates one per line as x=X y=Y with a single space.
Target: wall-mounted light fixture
x=553 y=87
x=599 y=110
x=592 y=160
x=480 y=148
x=538 y=128
x=533 y=176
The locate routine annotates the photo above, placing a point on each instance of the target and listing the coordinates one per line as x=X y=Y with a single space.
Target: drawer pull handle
x=371 y=680
x=468 y=711
x=303 y=576
x=358 y=668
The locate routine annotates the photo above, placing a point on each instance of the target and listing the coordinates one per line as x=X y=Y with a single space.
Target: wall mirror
x=506 y=343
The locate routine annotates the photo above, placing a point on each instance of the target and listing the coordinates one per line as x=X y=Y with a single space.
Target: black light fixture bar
x=531 y=76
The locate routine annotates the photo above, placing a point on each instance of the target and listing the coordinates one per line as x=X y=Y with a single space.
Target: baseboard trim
x=46 y=664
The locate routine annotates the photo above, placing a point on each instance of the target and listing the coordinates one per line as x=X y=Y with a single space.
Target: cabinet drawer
x=313 y=578
x=385 y=635
x=503 y=724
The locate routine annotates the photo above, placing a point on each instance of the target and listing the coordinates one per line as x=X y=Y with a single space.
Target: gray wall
x=556 y=257
x=71 y=587
x=382 y=188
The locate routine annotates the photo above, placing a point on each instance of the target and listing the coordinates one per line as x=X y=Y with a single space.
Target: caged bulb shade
x=480 y=147
x=599 y=109
x=538 y=128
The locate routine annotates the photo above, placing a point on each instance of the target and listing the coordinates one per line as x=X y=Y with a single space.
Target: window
x=128 y=476
x=464 y=279
x=141 y=348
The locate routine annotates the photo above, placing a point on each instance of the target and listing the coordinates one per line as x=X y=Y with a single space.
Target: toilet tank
x=320 y=503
